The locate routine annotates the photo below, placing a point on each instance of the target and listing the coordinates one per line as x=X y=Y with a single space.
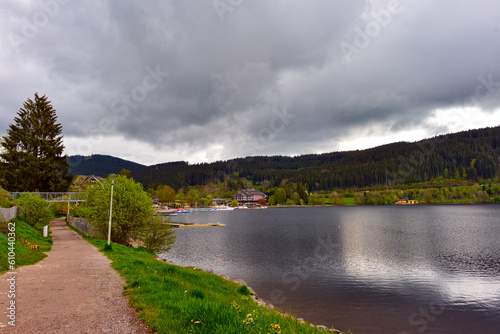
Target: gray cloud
x=189 y=80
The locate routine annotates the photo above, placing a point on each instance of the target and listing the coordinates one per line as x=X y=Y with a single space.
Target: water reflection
x=370 y=269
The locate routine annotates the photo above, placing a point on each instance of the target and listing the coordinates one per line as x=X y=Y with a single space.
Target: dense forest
x=469 y=155
x=99 y=165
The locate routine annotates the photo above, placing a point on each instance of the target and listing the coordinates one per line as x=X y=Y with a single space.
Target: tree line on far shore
x=465 y=156
x=288 y=193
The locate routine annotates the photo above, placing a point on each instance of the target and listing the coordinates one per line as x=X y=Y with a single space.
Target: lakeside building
x=405 y=200
x=249 y=196
x=402 y=200
x=219 y=202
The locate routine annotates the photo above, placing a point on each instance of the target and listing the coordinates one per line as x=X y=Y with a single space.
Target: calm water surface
x=390 y=269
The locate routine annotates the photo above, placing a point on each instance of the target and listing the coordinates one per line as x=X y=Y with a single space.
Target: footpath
x=73 y=290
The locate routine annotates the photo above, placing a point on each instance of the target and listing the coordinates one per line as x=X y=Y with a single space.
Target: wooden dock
x=183 y=225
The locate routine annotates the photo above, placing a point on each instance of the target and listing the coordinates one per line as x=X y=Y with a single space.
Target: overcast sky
x=200 y=81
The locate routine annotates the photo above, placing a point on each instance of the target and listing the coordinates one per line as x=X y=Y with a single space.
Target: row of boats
x=173 y=212
x=212 y=209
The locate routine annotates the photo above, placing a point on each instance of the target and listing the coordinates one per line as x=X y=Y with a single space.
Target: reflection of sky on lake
x=385 y=257
x=342 y=264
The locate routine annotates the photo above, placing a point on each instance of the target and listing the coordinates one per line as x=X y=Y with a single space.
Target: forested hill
x=473 y=155
x=99 y=165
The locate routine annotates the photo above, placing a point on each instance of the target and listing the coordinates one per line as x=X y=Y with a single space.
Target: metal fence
x=83 y=225
x=55 y=197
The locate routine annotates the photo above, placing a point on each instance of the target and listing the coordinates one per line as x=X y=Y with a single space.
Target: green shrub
x=57 y=208
x=5 y=199
x=34 y=209
x=157 y=235
x=132 y=207
x=244 y=290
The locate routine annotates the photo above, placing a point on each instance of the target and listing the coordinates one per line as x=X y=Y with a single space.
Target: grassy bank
x=24 y=255
x=173 y=299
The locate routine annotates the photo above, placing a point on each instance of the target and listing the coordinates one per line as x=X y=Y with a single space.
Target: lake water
x=388 y=269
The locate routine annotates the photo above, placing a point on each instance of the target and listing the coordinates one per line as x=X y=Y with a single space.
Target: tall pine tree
x=32 y=157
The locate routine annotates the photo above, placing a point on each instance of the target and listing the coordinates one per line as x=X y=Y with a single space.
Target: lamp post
x=110 y=212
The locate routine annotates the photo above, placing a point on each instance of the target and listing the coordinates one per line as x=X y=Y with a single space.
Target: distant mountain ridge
x=473 y=154
x=99 y=165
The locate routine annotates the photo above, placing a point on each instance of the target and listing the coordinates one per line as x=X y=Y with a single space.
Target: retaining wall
x=9 y=214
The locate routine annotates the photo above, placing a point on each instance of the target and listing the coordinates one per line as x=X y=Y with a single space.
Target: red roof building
x=250 y=196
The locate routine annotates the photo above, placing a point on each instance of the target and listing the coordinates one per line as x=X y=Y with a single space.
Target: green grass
x=173 y=299
x=24 y=255
x=349 y=201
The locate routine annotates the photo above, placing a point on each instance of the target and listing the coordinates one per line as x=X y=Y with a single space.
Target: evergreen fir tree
x=32 y=157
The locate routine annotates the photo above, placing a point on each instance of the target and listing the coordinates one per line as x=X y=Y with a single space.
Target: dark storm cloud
x=219 y=79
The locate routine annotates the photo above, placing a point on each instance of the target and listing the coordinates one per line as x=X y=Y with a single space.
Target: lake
x=387 y=269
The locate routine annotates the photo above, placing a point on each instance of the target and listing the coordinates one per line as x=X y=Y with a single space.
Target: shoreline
x=253 y=295
x=372 y=205
x=329 y=206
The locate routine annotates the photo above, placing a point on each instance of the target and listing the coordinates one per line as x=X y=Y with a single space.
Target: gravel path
x=73 y=290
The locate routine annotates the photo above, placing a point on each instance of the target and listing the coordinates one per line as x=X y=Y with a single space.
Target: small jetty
x=183 y=225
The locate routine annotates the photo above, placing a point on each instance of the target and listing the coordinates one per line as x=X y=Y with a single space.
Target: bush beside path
x=73 y=290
